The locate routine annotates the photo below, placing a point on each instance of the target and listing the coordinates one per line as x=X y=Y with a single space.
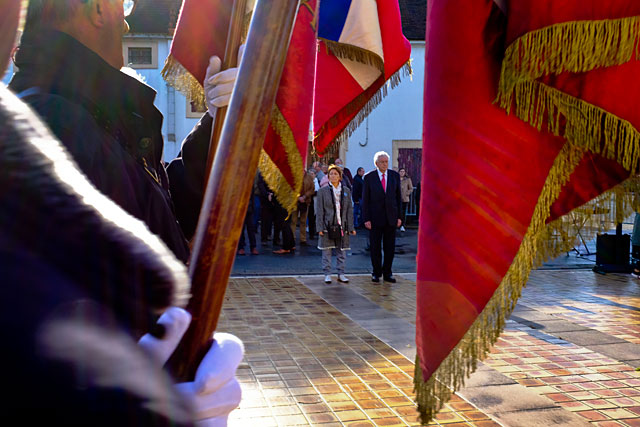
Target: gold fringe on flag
x=182 y=80
x=368 y=107
x=584 y=124
x=287 y=196
x=354 y=53
x=576 y=46
x=541 y=242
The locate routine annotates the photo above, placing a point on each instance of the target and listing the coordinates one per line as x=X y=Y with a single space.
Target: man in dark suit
x=381 y=203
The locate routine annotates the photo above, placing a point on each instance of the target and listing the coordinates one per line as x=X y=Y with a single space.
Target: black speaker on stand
x=612 y=252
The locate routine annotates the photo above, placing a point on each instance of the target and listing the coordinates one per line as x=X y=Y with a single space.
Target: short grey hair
x=380 y=154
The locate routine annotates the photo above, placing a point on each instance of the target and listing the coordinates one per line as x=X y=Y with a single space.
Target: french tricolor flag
x=361 y=47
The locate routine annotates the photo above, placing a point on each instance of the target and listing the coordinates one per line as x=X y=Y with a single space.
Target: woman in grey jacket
x=334 y=207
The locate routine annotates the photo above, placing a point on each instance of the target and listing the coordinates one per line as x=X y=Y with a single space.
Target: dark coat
x=347 y=173
x=308 y=188
x=187 y=175
x=380 y=207
x=358 y=183
x=77 y=291
x=108 y=123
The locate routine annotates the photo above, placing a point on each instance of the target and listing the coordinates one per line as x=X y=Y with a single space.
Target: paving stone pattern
x=341 y=354
x=307 y=364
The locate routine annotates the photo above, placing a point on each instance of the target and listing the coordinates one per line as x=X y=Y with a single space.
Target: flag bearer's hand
x=218 y=85
x=175 y=322
x=215 y=392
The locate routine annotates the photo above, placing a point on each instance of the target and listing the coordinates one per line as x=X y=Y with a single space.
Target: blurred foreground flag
x=202 y=32
x=530 y=135
x=361 y=47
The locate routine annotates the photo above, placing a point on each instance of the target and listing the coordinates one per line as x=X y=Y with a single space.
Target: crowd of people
x=332 y=196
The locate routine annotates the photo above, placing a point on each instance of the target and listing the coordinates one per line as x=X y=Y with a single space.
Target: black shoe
x=390 y=279
x=304 y=243
x=375 y=279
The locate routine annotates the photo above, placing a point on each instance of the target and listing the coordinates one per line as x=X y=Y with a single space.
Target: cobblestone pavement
x=335 y=355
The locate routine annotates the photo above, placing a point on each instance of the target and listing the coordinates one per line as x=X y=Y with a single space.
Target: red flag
x=201 y=32
x=356 y=45
x=495 y=185
x=285 y=146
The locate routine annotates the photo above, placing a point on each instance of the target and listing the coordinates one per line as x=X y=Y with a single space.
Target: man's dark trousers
x=384 y=236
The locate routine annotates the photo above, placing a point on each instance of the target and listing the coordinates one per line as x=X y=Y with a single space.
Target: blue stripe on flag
x=333 y=14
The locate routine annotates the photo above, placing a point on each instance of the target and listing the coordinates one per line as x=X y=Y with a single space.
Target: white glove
x=218 y=86
x=175 y=321
x=215 y=392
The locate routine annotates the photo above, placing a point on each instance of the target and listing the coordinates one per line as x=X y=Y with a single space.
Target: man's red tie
x=384 y=184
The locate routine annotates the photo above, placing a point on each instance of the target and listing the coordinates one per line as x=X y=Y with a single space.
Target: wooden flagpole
x=234 y=39
x=226 y=199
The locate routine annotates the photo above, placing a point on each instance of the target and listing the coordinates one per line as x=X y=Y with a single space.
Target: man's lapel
x=377 y=173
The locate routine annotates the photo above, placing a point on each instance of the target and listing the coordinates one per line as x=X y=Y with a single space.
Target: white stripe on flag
x=364 y=74
x=362 y=27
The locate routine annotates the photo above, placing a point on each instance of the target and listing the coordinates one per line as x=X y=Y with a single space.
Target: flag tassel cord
x=586 y=128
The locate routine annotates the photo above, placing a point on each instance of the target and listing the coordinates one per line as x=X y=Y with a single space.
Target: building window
x=194 y=111
x=139 y=54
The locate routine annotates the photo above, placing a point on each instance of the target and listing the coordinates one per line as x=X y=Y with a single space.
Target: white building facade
x=146 y=54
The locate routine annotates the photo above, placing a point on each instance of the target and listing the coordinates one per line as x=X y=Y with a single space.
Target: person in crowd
x=250 y=229
x=267 y=209
x=358 y=184
x=83 y=284
x=325 y=170
x=334 y=221
x=69 y=70
x=345 y=181
x=255 y=200
x=346 y=173
x=311 y=218
x=406 y=188
x=300 y=215
x=318 y=168
x=381 y=205
x=283 y=225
